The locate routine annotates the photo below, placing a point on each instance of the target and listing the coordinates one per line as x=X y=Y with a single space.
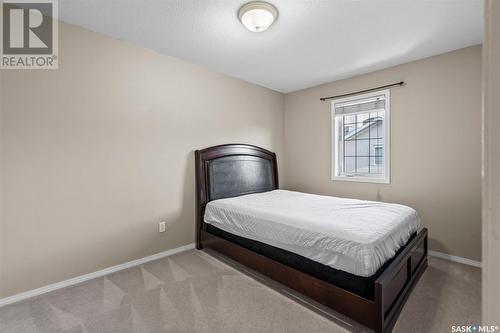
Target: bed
x=365 y=270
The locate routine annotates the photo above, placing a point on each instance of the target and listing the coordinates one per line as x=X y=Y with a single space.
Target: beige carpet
x=195 y=292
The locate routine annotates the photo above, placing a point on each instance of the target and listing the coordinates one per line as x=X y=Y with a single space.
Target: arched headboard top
x=231 y=170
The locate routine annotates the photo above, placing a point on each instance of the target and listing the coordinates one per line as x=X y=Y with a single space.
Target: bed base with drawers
x=235 y=169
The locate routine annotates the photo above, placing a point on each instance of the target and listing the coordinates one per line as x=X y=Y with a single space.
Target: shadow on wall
x=189 y=196
x=178 y=233
x=436 y=245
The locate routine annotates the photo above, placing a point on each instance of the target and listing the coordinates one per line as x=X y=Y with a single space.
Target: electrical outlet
x=162 y=226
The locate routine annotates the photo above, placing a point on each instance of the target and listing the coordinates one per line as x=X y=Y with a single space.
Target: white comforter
x=351 y=235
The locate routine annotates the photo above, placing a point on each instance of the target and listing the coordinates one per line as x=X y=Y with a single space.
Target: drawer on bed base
x=395 y=286
x=417 y=254
x=397 y=283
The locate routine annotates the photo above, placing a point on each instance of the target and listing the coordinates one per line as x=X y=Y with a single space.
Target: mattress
x=354 y=236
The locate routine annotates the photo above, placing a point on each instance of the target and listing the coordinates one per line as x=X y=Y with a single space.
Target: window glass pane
x=350 y=147
x=374 y=167
x=362 y=120
x=381 y=118
x=349 y=129
x=376 y=128
x=378 y=144
x=350 y=119
x=379 y=155
x=362 y=145
x=362 y=164
x=349 y=165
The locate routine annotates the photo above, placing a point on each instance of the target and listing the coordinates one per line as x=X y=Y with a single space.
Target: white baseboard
x=137 y=262
x=82 y=278
x=461 y=260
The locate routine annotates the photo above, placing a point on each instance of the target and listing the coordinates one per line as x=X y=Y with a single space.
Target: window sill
x=362 y=179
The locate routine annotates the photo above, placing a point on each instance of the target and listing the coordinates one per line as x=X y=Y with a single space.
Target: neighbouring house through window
x=378 y=155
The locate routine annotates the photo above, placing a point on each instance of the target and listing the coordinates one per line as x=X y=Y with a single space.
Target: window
x=360 y=132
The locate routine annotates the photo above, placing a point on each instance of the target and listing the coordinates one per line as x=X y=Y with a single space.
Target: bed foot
x=395 y=284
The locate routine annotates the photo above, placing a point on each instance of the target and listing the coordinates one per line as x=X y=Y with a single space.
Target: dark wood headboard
x=231 y=170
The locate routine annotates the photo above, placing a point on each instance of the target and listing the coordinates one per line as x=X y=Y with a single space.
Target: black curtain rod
x=364 y=91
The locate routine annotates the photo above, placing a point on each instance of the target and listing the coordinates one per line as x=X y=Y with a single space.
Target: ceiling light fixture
x=257 y=16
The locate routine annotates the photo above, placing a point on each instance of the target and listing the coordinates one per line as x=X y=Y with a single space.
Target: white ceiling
x=312 y=42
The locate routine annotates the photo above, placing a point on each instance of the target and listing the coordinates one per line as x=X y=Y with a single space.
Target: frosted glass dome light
x=257 y=16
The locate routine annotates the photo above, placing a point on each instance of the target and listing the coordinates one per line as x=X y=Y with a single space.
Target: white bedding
x=351 y=235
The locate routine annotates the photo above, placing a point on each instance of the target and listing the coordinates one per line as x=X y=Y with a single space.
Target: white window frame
x=386 y=126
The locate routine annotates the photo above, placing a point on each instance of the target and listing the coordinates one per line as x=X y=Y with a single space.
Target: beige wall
x=435 y=145
x=491 y=165
x=96 y=153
